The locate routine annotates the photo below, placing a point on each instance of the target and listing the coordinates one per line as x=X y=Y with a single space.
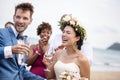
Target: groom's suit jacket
x=9 y=68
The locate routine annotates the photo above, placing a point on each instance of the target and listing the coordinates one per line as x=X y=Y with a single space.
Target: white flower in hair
x=79 y=24
x=67 y=18
x=74 y=19
x=72 y=22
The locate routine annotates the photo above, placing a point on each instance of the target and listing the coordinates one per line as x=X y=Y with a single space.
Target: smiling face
x=69 y=36
x=45 y=34
x=21 y=20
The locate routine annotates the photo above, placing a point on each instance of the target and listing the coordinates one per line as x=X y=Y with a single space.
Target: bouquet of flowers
x=71 y=76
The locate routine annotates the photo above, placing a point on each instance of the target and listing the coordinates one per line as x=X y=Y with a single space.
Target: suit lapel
x=13 y=37
x=14 y=42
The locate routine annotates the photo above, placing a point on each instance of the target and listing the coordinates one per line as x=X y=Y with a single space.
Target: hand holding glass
x=49 y=55
x=22 y=57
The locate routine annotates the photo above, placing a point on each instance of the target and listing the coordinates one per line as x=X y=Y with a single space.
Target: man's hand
x=20 y=49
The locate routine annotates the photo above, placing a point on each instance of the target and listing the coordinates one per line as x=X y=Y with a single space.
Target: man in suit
x=9 y=49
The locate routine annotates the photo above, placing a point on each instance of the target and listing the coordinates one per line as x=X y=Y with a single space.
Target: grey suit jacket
x=9 y=68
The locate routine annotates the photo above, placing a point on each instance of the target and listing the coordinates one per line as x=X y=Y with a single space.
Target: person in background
x=86 y=48
x=69 y=63
x=8 y=24
x=9 y=47
x=35 y=58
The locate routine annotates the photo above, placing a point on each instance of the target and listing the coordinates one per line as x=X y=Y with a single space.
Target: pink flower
x=70 y=76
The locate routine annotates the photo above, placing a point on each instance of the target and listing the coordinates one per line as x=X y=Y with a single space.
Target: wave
x=107 y=60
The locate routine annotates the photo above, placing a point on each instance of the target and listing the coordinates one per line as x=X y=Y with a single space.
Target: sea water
x=106 y=60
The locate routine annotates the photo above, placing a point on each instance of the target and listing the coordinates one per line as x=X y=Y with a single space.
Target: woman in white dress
x=70 y=59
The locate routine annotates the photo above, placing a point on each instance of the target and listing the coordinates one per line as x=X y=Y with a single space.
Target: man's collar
x=14 y=30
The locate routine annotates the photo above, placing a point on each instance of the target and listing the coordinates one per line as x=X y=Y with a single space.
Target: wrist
x=37 y=53
x=47 y=70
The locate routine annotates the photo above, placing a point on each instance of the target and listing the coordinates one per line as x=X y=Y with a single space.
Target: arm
x=31 y=57
x=1 y=52
x=50 y=74
x=8 y=51
x=5 y=44
x=84 y=67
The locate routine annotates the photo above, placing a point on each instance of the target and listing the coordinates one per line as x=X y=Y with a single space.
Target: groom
x=9 y=49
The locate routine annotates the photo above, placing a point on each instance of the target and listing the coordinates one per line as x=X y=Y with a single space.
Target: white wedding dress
x=62 y=67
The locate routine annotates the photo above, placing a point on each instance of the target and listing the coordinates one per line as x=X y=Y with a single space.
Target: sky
x=100 y=18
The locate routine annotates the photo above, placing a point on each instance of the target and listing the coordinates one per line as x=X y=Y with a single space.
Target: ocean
x=106 y=60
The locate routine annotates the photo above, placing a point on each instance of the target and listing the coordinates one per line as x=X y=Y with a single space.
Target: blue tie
x=19 y=36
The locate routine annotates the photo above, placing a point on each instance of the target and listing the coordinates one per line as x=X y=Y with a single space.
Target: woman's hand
x=47 y=61
x=42 y=44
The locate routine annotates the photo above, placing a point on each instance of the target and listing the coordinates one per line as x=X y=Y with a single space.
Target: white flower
x=74 y=19
x=76 y=29
x=68 y=78
x=70 y=75
x=72 y=22
x=63 y=73
x=67 y=18
x=79 y=24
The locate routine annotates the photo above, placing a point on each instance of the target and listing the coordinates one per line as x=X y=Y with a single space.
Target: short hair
x=8 y=23
x=42 y=26
x=25 y=7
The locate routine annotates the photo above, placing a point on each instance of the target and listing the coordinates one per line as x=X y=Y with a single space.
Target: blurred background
x=101 y=19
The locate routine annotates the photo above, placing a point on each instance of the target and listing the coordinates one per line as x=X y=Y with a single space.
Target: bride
x=70 y=59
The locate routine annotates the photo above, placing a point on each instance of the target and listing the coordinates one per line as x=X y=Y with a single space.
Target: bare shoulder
x=82 y=59
x=84 y=66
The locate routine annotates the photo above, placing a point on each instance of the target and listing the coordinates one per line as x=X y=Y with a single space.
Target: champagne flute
x=22 y=57
x=49 y=55
x=26 y=40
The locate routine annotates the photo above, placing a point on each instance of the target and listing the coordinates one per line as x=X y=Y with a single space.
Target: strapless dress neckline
x=60 y=67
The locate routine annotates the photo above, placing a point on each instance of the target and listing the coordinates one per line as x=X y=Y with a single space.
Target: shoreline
x=105 y=75
x=105 y=67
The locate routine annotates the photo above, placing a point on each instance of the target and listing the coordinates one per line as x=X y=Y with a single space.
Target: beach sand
x=105 y=75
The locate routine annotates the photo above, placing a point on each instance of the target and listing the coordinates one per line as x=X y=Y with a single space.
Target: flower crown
x=69 y=20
